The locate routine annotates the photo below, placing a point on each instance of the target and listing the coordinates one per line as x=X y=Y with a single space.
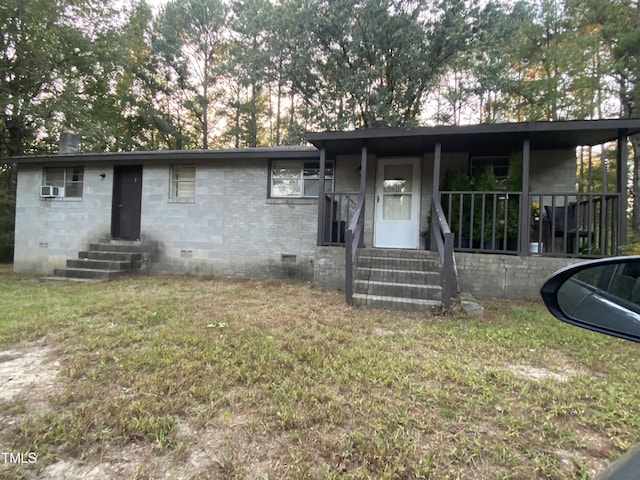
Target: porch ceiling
x=490 y=138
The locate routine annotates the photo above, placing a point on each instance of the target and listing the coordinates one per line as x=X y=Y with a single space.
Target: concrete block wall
x=50 y=230
x=482 y=275
x=329 y=265
x=506 y=276
x=552 y=171
x=231 y=227
x=347 y=173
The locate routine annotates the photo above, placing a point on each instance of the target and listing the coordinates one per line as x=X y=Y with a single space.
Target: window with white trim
x=298 y=178
x=183 y=183
x=69 y=178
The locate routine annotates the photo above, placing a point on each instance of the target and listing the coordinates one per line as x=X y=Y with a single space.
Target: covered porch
x=507 y=189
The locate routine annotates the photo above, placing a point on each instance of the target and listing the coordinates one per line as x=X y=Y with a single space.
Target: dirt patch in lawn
x=227 y=448
x=28 y=375
x=559 y=368
x=540 y=373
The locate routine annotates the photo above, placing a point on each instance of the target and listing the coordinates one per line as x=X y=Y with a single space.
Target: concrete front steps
x=397 y=279
x=105 y=260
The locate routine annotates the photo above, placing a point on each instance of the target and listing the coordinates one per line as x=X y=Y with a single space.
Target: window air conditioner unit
x=49 y=191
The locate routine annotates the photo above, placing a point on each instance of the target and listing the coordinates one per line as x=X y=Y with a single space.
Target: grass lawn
x=191 y=377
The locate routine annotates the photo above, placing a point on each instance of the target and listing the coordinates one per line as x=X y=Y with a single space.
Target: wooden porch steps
x=105 y=260
x=397 y=279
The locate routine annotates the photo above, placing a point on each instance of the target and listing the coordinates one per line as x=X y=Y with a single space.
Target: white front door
x=397 y=203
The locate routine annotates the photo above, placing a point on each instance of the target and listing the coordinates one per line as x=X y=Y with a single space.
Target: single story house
x=403 y=216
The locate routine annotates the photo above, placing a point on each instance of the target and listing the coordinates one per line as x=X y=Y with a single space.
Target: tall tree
x=617 y=22
x=194 y=28
x=45 y=47
x=377 y=58
x=35 y=51
x=249 y=68
x=166 y=89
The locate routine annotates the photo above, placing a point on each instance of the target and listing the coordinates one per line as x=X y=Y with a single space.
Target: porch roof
x=486 y=138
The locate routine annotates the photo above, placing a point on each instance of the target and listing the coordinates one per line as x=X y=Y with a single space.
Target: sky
x=156 y=4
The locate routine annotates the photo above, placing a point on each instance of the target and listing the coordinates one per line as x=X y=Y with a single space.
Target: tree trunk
x=279 y=104
x=581 y=169
x=635 y=144
x=635 y=188
x=237 y=119
x=253 y=123
x=205 y=106
x=271 y=132
x=205 y=118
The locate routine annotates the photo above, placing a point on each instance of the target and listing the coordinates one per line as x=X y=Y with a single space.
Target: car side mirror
x=600 y=295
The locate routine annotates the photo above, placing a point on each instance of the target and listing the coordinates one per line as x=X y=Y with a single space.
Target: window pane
x=328 y=184
x=398 y=178
x=186 y=189
x=311 y=172
x=312 y=169
x=286 y=179
x=396 y=207
x=285 y=170
x=311 y=187
x=75 y=174
x=183 y=181
x=54 y=177
x=185 y=172
x=285 y=188
x=74 y=181
x=70 y=178
x=299 y=178
x=73 y=190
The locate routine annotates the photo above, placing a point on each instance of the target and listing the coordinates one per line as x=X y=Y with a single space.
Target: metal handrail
x=353 y=239
x=444 y=242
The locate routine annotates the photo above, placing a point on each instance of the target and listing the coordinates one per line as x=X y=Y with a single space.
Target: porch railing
x=483 y=221
x=568 y=224
x=354 y=239
x=444 y=241
x=575 y=224
x=338 y=211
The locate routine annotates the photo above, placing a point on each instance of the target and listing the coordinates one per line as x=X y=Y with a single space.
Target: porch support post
x=621 y=185
x=363 y=184
x=437 y=157
x=321 y=200
x=525 y=206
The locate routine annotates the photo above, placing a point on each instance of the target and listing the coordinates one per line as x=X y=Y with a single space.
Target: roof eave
x=632 y=125
x=174 y=155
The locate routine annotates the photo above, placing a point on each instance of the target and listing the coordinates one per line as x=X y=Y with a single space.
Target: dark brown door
x=127 y=200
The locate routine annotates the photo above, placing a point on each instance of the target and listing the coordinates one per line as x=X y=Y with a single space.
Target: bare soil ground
x=28 y=374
